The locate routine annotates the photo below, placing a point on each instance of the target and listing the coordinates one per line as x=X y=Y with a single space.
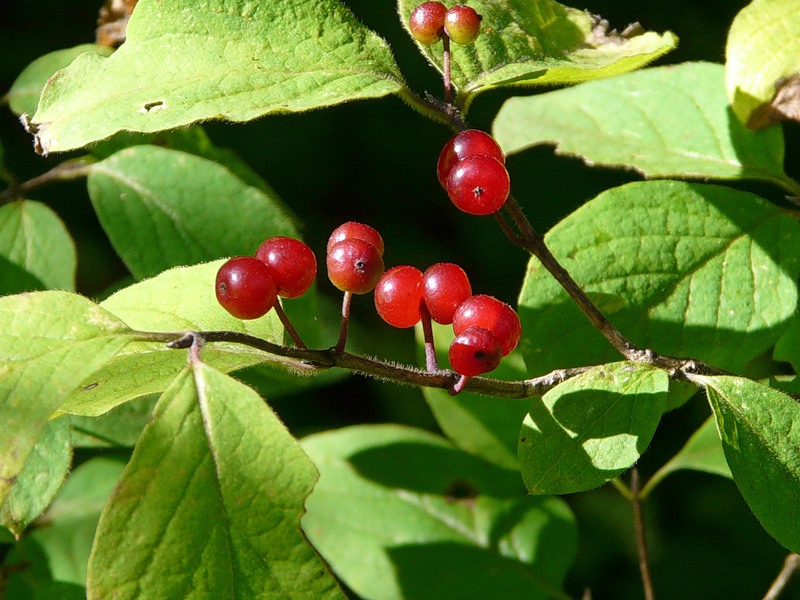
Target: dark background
x=374 y=162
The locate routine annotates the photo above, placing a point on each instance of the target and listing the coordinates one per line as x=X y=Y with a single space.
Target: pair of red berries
x=471 y=168
x=355 y=257
x=486 y=329
x=248 y=287
x=431 y=21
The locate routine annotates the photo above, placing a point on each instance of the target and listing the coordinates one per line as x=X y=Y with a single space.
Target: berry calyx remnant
x=474 y=351
x=398 y=296
x=445 y=287
x=244 y=287
x=427 y=22
x=354 y=266
x=478 y=185
x=291 y=263
x=462 y=24
x=358 y=231
x=489 y=313
x=469 y=142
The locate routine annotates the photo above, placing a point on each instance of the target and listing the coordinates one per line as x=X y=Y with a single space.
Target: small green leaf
x=665 y=122
x=184 y=63
x=396 y=509
x=36 y=250
x=763 y=62
x=760 y=430
x=586 y=431
x=540 y=42
x=704 y=271
x=37 y=484
x=703 y=452
x=163 y=208
x=26 y=89
x=49 y=342
x=210 y=504
x=180 y=299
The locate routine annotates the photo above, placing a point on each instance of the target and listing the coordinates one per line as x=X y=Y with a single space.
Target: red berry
x=354 y=266
x=445 y=287
x=291 y=263
x=474 y=351
x=478 y=185
x=492 y=314
x=427 y=22
x=358 y=231
x=462 y=24
x=398 y=296
x=467 y=143
x=245 y=288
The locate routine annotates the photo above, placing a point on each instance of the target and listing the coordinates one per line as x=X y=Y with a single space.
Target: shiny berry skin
x=474 y=351
x=427 y=22
x=398 y=296
x=462 y=24
x=354 y=266
x=467 y=143
x=291 y=263
x=492 y=314
x=478 y=185
x=445 y=287
x=245 y=288
x=358 y=231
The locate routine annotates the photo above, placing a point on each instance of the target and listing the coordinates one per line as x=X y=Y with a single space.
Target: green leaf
x=189 y=61
x=180 y=299
x=703 y=452
x=699 y=270
x=586 y=431
x=49 y=342
x=540 y=42
x=71 y=520
x=481 y=425
x=396 y=509
x=36 y=250
x=762 y=58
x=40 y=479
x=163 y=208
x=665 y=122
x=119 y=427
x=760 y=431
x=210 y=503
x=26 y=89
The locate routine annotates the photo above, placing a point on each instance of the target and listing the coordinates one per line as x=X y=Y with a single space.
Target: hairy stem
x=641 y=539
x=71 y=169
x=790 y=567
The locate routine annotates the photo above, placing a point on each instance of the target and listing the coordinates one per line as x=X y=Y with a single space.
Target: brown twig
x=71 y=169
x=641 y=538
x=791 y=565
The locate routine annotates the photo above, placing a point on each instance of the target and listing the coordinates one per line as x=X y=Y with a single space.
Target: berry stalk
x=431 y=363
x=287 y=325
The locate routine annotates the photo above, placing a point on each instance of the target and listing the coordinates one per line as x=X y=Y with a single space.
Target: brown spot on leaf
x=460 y=491
x=113 y=21
x=785 y=105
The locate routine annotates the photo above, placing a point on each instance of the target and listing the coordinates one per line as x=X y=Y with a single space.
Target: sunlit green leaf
x=664 y=122
x=591 y=428
x=36 y=250
x=119 y=427
x=763 y=62
x=540 y=42
x=760 y=430
x=210 y=504
x=396 y=509
x=190 y=61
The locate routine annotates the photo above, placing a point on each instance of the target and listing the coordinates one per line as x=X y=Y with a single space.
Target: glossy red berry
x=358 y=231
x=245 y=288
x=492 y=314
x=398 y=296
x=445 y=287
x=469 y=142
x=478 y=185
x=354 y=266
x=474 y=351
x=462 y=24
x=427 y=22
x=291 y=263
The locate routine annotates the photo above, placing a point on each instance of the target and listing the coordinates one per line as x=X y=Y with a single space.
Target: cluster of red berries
x=248 y=287
x=472 y=169
x=486 y=329
x=431 y=21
